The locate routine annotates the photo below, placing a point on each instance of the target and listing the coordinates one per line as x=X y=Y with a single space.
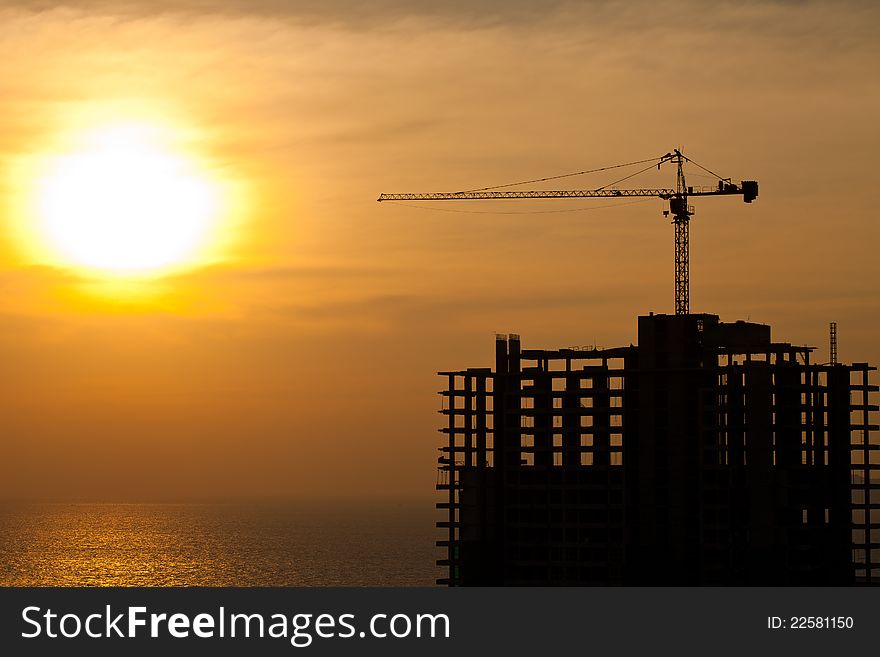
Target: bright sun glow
x=125 y=202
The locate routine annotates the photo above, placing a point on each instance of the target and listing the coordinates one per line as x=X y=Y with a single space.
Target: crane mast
x=678 y=207
x=681 y=220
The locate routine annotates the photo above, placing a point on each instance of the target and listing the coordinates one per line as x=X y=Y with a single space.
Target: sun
x=125 y=202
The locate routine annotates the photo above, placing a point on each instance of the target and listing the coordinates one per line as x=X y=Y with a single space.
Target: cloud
x=337 y=11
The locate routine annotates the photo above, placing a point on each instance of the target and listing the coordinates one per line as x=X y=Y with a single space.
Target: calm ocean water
x=217 y=545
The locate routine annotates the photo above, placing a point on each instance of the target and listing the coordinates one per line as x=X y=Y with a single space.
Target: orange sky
x=299 y=358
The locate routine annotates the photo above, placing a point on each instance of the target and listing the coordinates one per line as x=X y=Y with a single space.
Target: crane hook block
x=749 y=190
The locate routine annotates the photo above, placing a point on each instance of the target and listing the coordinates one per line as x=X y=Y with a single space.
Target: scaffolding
x=706 y=455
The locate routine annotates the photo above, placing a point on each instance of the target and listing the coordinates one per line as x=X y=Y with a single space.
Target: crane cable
x=704 y=168
x=653 y=160
x=632 y=175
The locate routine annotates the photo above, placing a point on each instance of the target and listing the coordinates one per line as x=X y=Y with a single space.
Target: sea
x=225 y=544
x=219 y=544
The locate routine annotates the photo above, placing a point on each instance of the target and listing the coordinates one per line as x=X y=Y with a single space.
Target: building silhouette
x=706 y=455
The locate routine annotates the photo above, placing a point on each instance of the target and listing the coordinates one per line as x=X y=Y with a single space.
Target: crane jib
x=748 y=189
x=533 y=193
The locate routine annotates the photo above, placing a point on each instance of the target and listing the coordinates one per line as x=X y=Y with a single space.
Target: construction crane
x=678 y=205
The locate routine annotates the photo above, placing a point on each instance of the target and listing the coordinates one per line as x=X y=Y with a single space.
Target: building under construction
x=707 y=454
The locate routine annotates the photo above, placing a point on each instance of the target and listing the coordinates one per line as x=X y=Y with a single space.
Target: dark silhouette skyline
x=706 y=455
